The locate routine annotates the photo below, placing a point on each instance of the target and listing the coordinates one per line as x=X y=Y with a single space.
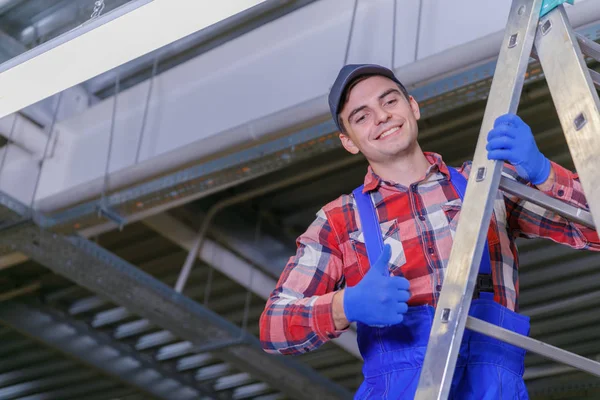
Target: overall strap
x=374 y=238
x=460 y=184
x=369 y=223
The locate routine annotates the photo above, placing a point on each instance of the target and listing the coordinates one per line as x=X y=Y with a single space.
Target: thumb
x=381 y=265
x=507 y=119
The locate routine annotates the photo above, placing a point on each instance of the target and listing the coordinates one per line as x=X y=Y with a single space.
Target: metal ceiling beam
x=98 y=350
x=231 y=265
x=12 y=259
x=68 y=14
x=98 y=46
x=100 y=271
x=40 y=112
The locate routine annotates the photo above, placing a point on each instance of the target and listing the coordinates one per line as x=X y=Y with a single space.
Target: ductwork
x=243 y=148
x=26 y=135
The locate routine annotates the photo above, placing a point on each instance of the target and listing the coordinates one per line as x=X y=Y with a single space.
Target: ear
x=348 y=144
x=414 y=107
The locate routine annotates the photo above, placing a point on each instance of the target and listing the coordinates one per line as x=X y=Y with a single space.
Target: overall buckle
x=484 y=283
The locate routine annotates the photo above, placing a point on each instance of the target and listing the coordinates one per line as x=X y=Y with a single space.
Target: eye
x=360 y=119
x=390 y=102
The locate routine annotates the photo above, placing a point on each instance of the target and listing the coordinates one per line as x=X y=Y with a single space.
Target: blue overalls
x=486 y=369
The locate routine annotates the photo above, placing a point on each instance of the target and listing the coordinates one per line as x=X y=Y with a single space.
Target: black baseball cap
x=347 y=74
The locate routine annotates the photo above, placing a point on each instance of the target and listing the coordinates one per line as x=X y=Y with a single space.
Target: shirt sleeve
x=531 y=221
x=298 y=315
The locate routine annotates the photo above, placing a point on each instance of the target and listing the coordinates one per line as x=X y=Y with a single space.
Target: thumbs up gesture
x=378 y=299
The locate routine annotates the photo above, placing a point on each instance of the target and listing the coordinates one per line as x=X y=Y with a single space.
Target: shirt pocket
x=391 y=235
x=452 y=210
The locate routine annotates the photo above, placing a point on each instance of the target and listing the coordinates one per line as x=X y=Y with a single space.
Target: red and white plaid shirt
x=419 y=223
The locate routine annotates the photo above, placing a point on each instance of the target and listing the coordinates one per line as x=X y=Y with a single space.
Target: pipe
x=212 y=212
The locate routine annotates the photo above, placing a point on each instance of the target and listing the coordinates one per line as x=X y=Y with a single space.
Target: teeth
x=388 y=132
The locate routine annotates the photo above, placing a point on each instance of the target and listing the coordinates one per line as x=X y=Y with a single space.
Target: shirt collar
x=373 y=181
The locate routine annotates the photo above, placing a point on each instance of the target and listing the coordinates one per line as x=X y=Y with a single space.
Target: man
x=335 y=279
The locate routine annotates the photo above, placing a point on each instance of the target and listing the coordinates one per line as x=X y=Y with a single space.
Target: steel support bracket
x=105 y=211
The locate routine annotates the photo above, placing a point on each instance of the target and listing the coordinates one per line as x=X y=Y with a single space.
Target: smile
x=389 y=132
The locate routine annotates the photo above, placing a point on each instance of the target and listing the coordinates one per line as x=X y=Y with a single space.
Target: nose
x=382 y=115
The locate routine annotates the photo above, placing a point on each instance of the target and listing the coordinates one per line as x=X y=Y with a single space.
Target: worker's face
x=380 y=121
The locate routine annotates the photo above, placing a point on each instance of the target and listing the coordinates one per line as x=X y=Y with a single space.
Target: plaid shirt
x=419 y=223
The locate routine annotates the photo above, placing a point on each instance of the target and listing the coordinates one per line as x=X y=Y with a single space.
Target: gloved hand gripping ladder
x=545 y=24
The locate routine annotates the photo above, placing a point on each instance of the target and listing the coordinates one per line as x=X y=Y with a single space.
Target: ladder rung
x=536 y=197
x=588 y=47
x=533 y=345
x=595 y=78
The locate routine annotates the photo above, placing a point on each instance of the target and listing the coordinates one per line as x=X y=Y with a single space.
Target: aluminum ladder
x=540 y=29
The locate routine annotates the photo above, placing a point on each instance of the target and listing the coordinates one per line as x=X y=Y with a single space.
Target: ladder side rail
x=457 y=289
x=575 y=99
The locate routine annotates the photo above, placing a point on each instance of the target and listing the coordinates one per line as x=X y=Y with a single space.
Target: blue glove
x=511 y=140
x=378 y=299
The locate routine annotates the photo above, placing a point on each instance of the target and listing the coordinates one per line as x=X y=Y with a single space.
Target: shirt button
x=421 y=217
x=430 y=249
x=561 y=192
x=438 y=288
